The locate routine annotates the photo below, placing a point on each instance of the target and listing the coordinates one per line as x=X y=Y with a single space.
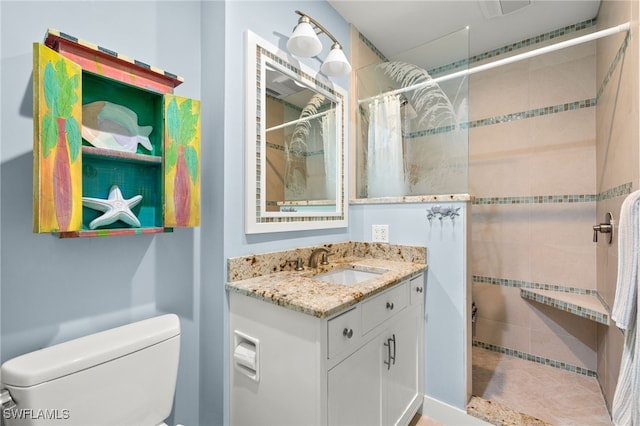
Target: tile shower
x=536 y=170
x=552 y=148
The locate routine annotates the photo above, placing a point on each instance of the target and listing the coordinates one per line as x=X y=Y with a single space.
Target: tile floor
x=556 y=396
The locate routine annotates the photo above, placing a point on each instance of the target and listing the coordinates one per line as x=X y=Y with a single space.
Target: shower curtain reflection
x=330 y=158
x=385 y=165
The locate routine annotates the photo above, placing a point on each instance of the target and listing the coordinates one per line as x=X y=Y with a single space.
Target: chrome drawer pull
x=393 y=358
x=387 y=362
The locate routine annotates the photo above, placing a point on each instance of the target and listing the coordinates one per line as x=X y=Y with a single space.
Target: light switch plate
x=380 y=233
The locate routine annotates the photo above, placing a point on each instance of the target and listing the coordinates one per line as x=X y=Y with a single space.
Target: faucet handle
x=299 y=264
x=324 y=260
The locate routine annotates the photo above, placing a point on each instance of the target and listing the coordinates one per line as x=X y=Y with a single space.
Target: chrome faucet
x=313 y=259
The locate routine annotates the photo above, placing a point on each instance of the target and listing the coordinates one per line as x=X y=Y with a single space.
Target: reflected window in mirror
x=295 y=144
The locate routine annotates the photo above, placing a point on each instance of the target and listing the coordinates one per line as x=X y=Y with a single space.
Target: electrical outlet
x=380 y=233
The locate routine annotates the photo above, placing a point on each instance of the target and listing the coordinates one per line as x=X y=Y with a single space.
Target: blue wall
x=447 y=295
x=54 y=290
x=273 y=21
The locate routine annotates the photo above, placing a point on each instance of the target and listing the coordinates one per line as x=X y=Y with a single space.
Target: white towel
x=626 y=403
x=625 y=303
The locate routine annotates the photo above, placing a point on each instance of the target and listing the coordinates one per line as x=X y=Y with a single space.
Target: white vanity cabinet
x=363 y=366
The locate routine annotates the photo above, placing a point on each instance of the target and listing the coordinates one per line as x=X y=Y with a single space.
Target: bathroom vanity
x=334 y=345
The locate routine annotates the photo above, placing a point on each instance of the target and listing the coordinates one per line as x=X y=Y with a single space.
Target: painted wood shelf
x=90 y=151
x=584 y=305
x=113 y=232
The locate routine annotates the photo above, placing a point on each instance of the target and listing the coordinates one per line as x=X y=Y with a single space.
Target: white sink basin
x=347 y=276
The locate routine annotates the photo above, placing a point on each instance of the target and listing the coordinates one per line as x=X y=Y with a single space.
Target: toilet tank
x=122 y=376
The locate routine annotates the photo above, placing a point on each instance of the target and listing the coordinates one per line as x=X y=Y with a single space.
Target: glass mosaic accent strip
x=537 y=112
x=572 y=308
x=277 y=147
x=431 y=132
x=504 y=282
x=512 y=47
x=535 y=358
x=624 y=189
x=537 y=199
x=614 y=65
x=617 y=191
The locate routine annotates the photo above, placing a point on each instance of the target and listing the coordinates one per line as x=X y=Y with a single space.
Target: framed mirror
x=295 y=144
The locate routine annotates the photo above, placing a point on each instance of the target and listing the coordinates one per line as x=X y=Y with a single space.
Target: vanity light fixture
x=304 y=42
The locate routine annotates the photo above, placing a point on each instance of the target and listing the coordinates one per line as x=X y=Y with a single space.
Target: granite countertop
x=298 y=290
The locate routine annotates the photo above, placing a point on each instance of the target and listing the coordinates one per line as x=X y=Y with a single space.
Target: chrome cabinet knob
x=390 y=306
x=348 y=333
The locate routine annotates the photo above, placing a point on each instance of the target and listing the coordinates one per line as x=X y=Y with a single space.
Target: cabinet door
x=181 y=162
x=354 y=388
x=401 y=378
x=57 y=117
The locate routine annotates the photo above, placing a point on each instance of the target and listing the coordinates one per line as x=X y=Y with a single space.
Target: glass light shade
x=304 y=41
x=336 y=63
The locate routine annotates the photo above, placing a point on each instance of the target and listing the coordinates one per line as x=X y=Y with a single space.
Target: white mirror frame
x=257 y=218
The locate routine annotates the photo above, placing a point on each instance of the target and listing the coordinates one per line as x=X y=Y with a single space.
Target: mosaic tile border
x=614 y=65
x=432 y=131
x=522 y=115
x=277 y=147
x=514 y=46
x=504 y=282
x=571 y=308
x=535 y=358
x=537 y=199
x=620 y=190
x=499 y=119
x=624 y=189
x=536 y=112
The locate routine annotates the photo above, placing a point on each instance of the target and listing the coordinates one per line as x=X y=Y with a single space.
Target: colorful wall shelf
x=69 y=73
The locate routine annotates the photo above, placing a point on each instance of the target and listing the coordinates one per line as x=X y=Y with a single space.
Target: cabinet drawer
x=417 y=289
x=343 y=330
x=382 y=307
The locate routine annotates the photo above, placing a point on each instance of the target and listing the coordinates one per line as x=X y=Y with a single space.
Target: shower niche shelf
x=587 y=306
x=92 y=107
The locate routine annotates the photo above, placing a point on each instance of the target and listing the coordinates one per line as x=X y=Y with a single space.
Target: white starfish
x=115 y=208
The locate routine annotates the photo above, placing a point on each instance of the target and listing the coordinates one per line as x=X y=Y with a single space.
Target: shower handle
x=605 y=228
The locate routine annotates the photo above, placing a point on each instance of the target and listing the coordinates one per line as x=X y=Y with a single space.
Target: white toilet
x=123 y=376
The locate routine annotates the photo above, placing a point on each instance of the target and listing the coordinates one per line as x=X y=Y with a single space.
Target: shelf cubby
x=70 y=74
